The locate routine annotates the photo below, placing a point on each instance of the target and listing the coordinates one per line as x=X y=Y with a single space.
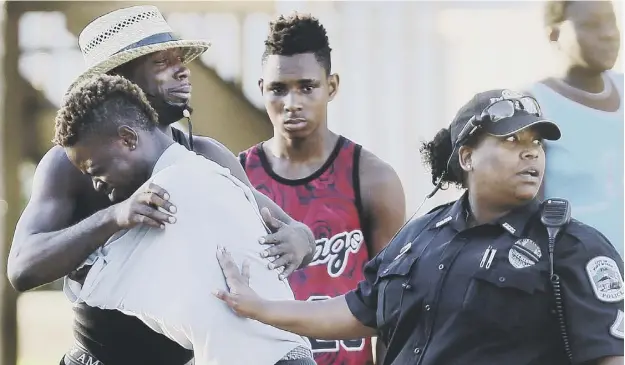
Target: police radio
x=555 y=215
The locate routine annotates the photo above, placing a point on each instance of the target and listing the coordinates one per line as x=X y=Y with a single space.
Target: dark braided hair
x=298 y=34
x=99 y=105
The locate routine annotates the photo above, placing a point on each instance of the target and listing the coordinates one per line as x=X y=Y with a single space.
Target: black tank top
x=117 y=339
x=180 y=137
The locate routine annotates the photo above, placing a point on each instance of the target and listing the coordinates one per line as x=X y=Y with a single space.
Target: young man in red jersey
x=352 y=200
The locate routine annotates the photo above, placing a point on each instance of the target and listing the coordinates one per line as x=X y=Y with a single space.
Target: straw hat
x=126 y=34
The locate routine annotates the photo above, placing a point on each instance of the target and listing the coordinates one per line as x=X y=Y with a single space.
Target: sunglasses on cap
x=507 y=108
x=497 y=111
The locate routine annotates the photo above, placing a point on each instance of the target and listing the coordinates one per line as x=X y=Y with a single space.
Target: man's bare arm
x=384 y=203
x=220 y=154
x=383 y=200
x=45 y=247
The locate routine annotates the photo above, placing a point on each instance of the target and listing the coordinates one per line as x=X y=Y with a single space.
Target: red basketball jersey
x=328 y=202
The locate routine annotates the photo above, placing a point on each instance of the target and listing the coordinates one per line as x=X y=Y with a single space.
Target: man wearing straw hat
x=68 y=217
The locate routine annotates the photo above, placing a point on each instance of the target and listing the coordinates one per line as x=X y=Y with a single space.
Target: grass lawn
x=45 y=327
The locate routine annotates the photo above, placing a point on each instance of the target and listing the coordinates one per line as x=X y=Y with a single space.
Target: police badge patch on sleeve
x=616 y=329
x=605 y=279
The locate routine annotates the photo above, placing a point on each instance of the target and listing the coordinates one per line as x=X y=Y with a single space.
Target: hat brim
x=192 y=50
x=509 y=126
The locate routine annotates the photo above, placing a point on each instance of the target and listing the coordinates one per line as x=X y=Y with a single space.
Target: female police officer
x=468 y=283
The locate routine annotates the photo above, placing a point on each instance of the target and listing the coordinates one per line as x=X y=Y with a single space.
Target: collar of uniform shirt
x=457 y=216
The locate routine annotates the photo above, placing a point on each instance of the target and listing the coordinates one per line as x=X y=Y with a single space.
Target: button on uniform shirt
x=166 y=277
x=444 y=293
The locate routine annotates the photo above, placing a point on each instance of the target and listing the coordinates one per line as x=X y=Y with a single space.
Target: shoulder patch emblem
x=605 y=279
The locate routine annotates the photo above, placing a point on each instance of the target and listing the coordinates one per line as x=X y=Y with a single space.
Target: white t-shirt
x=166 y=277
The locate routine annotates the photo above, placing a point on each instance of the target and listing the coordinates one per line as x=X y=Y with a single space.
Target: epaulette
x=412 y=228
x=584 y=233
x=436 y=209
x=587 y=238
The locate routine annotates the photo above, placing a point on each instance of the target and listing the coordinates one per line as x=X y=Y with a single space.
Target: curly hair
x=100 y=105
x=436 y=154
x=298 y=34
x=554 y=11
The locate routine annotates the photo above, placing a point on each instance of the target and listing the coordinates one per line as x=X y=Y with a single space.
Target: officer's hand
x=291 y=244
x=240 y=297
x=143 y=208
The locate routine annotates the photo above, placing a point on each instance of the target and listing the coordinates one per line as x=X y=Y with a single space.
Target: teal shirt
x=586 y=165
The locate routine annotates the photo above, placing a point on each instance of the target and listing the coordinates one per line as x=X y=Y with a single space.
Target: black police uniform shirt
x=444 y=293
